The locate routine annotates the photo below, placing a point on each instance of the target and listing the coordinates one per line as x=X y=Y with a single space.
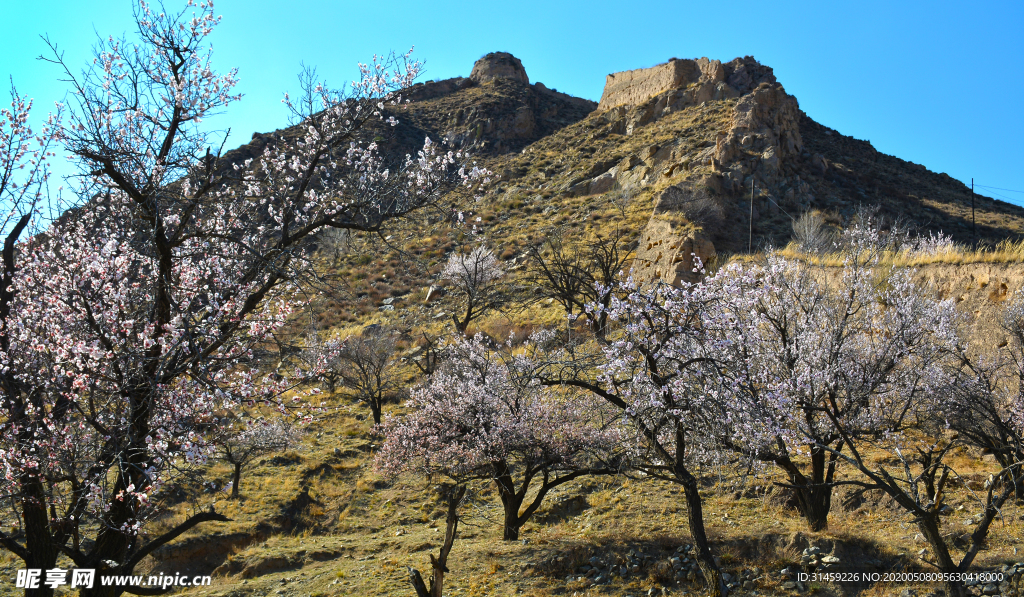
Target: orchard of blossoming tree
x=489 y=303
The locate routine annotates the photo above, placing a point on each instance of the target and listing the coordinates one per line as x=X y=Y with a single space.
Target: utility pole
x=974 y=226
x=750 y=237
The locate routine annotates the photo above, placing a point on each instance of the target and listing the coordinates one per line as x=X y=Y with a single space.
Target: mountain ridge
x=721 y=152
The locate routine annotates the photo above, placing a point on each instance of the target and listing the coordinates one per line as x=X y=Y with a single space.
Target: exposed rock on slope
x=730 y=131
x=667 y=252
x=764 y=137
x=979 y=291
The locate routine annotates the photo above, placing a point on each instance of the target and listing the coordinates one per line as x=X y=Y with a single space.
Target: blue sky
x=937 y=83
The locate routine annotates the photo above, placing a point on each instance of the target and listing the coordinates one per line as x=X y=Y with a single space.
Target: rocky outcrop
x=761 y=145
x=765 y=135
x=498 y=65
x=666 y=252
x=493 y=111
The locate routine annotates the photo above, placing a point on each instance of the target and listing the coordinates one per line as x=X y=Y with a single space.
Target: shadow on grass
x=758 y=558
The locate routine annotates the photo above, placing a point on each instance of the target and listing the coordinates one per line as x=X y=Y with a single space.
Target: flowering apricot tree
x=473 y=276
x=476 y=418
x=816 y=364
x=23 y=176
x=239 y=446
x=987 y=408
x=826 y=372
x=659 y=371
x=135 y=315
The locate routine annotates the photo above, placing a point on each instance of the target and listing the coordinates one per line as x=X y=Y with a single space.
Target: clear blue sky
x=937 y=83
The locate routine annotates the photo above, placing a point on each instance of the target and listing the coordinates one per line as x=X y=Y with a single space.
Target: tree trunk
x=38 y=534
x=235 y=480
x=439 y=565
x=601 y=325
x=376 y=409
x=814 y=504
x=511 y=531
x=112 y=544
x=416 y=579
x=695 y=518
x=511 y=503
x=42 y=590
x=1007 y=460
x=98 y=589
x=460 y=326
x=813 y=494
x=930 y=529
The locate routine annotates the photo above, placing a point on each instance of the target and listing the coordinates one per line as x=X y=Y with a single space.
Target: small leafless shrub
x=812 y=233
x=335 y=243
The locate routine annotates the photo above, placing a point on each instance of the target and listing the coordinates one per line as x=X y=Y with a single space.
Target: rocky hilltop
x=729 y=160
x=722 y=154
x=495 y=110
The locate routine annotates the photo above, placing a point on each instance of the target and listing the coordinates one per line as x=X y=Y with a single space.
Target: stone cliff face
x=764 y=138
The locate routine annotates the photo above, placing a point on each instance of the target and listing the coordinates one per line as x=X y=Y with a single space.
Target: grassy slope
x=318 y=521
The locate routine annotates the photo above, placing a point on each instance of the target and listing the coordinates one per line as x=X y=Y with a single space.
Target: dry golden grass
x=1007 y=251
x=357 y=534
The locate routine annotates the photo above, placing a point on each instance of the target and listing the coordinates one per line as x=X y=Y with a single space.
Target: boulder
x=602 y=184
x=666 y=253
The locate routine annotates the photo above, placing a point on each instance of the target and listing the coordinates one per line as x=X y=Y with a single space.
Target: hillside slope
x=758 y=135
x=691 y=141
x=668 y=157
